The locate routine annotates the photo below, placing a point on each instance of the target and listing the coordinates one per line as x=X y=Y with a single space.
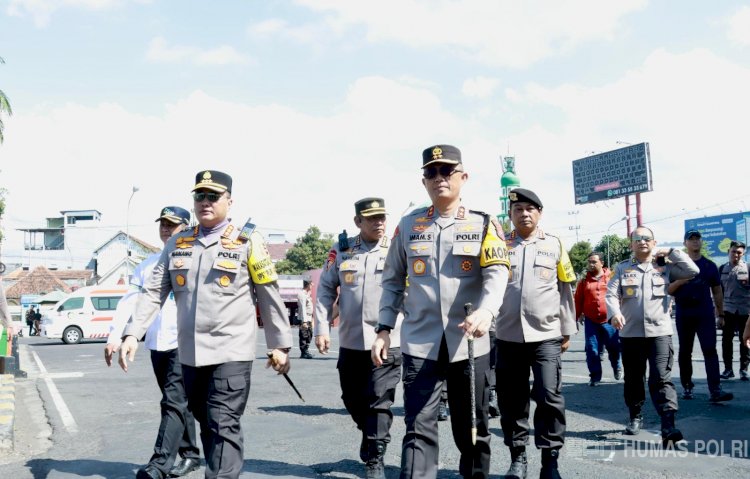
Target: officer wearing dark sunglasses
x=638 y=306
x=452 y=256
x=215 y=271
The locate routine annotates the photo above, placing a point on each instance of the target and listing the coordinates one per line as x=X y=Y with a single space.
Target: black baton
x=468 y=309
x=288 y=379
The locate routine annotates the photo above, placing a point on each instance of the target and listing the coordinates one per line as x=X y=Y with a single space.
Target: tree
x=4 y=108
x=619 y=249
x=309 y=252
x=579 y=254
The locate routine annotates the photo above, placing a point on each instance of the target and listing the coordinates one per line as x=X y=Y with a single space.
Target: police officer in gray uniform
x=532 y=329
x=452 y=256
x=216 y=270
x=355 y=267
x=638 y=306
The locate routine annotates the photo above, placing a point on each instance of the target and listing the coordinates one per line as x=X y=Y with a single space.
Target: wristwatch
x=382 y=327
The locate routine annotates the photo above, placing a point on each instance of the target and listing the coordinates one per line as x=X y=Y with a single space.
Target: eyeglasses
x=736 y=244
x=446 y=171
x=646 y=238
x=199 y=196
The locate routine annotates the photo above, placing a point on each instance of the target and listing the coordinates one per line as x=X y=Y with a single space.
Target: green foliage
x=579 y=254
x=309 y=252
x=4 y=108
x=619 y=249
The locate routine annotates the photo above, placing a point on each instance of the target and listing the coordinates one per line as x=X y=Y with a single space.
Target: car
x=85 y=314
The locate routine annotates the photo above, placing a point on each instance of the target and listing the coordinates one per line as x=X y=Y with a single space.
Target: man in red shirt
x=592 y=310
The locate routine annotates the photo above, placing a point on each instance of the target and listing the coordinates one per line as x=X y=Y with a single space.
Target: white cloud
x=41 y=10
x=739 y=27
x=480 y=87
x=312 y=34
x=514 y=34
x=160 y=52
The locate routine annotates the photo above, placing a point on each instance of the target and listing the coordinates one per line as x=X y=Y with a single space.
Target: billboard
x=719 y=231
x=612 y=174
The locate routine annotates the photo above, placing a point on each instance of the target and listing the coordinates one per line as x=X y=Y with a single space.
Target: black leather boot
x=670 y=435
x=374 y=466
x=549 y=464
x=518 y=465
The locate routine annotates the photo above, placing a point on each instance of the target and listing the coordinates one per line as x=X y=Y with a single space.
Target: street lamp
x=624 y=218
x=127 y=234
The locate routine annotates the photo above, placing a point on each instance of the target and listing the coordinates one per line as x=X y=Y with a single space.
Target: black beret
x=213 y=180
x=518 y=195
x=441 y=154
x=369 y=207
x=175 y=214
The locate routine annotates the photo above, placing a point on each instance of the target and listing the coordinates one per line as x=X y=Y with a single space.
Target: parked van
x=85 y=314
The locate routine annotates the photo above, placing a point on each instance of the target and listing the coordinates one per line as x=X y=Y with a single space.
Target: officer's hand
x=618 y=321
x=127 y=352
x=565 y=344
x=279 y=360
x=379 y=351
x=477 y=323
x=109 y=351
x=746 y=335
x=323 y=342
x=720 y=321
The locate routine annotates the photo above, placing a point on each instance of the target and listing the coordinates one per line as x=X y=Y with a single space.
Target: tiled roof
x=278 y=250
x=38 y=281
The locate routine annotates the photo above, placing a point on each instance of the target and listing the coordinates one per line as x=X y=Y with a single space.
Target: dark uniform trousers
x=515 y=361
x=217 y=395
x=177 y=428
x=305 y=336
x=659 y=354
x=690 y=322
x=423 y=382
x=734 y=323
x=368 y=393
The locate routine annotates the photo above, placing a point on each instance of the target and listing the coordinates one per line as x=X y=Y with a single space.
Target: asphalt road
x=77 y=418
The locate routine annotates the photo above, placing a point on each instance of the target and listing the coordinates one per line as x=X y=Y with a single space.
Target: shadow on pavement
x=41 y=468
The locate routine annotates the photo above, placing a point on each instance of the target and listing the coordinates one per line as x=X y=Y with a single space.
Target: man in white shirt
x=177 y=428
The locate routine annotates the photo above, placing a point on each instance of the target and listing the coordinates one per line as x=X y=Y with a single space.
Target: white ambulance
x=85 y=314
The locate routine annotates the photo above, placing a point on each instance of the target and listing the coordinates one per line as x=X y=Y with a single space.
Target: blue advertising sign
x=719 y=231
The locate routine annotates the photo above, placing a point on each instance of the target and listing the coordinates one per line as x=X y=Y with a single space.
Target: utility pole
x=576 y=227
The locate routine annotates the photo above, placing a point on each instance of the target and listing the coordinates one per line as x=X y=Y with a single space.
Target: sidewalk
x=7 y=411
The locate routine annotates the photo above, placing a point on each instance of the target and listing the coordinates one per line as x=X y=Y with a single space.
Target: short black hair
x=306 y=283
x=597 y=253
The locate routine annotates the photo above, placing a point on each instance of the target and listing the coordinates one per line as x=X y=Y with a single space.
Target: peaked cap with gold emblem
x=441 y=154
x=369 y=207
x=174 y=214
x=522 y=195
x=213 y=180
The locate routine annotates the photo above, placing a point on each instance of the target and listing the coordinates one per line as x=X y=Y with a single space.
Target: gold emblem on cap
x=437 y=153
x=375 y=204
x=224 y=281
x=180 y=280
x=207 y=175
x=513 y=196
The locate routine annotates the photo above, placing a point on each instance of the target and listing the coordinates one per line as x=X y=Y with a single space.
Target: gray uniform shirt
x=638 y=291
x=358 y=273
x=304 y=307
x=443 y=259
x=736 y=286
x=538 y=305
x=215 y=296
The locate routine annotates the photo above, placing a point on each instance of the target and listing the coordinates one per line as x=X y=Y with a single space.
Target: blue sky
x=313 y=104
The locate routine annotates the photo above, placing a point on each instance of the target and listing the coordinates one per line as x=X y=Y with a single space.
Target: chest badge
x=180 y=280
x=419 y=267
x=466 y=265
x=179 y=263
x=349 y=278
x=224 y=281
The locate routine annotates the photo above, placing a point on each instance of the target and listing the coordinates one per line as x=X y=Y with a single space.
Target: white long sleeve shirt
x=162 y=334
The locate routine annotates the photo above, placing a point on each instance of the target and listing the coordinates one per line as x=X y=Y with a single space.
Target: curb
x=7 y=411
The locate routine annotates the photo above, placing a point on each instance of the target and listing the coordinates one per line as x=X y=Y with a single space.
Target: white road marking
x=62 y=408
x=61 y=375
